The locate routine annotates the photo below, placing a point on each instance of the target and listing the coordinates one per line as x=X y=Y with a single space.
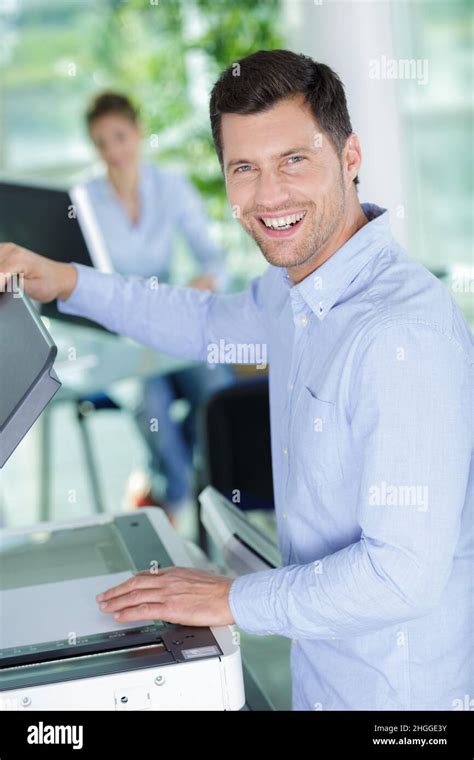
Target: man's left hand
x=173 y=594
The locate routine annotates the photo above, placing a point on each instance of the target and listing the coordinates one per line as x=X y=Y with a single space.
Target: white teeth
x=283 y=222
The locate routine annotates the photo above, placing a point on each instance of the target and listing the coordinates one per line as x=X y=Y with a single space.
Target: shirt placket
x=301 y=319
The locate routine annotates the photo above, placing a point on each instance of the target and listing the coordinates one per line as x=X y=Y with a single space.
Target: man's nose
x=271 y=191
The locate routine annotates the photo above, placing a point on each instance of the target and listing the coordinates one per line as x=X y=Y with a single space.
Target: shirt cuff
x=253 y=604
x=72 y=305
x=92 y=296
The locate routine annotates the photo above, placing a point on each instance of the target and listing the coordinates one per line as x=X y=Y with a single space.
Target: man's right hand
x=42 y=279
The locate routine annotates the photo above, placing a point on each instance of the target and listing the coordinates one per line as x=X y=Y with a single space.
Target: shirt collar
x=322 y=288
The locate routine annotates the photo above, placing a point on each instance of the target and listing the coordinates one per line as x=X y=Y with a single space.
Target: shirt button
x=284 y=515
x=294 y=641
x=285 y=451
x=303 y=320
x=290 y=386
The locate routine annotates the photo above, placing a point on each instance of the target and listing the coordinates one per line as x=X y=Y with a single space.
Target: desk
x=90 y=360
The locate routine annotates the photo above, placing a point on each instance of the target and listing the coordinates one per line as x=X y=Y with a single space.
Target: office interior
x=87 y=454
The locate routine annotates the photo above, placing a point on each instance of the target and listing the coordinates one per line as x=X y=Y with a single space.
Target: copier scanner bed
x=59 y=651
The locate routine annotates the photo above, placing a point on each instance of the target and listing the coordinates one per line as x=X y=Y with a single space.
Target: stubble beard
x=320 y=223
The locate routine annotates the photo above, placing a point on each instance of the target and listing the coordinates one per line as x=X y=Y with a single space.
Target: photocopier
x=57 y=649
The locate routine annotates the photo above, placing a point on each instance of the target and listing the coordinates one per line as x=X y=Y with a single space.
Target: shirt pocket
x=317 y=439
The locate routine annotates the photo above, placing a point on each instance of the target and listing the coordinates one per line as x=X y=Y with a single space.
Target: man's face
x=286 y=180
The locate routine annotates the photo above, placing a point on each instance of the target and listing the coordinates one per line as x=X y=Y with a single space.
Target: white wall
x=346 y=36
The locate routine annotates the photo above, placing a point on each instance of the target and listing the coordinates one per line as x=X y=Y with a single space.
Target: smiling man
x=370 y=401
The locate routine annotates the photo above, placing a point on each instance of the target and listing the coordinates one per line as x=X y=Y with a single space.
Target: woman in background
x=139 y=209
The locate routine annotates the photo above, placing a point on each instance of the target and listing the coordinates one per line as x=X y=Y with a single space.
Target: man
x=370 y=379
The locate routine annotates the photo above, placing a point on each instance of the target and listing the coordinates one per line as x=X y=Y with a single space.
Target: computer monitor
x=54 y=223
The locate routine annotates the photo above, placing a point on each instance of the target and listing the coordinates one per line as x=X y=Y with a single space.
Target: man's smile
x=281 y=225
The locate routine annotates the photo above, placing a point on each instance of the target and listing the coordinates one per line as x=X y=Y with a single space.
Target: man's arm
x=412 y=422
x=183 y=322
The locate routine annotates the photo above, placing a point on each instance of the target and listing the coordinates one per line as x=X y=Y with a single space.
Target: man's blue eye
x=296 y=158
x=244 y=166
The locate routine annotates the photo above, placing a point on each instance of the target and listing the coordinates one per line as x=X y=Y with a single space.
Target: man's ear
x=352 y=158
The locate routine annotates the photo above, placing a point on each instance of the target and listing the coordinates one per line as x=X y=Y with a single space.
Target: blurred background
x=416 y=133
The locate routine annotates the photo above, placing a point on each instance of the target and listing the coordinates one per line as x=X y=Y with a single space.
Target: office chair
x=235 y=436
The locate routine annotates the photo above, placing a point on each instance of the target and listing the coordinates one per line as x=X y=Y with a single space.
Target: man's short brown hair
x=260 y=80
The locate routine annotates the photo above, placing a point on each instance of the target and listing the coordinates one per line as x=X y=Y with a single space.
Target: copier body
x=47 y=573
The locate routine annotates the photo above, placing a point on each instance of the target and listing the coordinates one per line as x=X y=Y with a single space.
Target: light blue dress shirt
x=372 y=429
x=169 y=205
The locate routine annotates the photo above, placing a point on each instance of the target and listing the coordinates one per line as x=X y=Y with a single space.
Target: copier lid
x=27 y=379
